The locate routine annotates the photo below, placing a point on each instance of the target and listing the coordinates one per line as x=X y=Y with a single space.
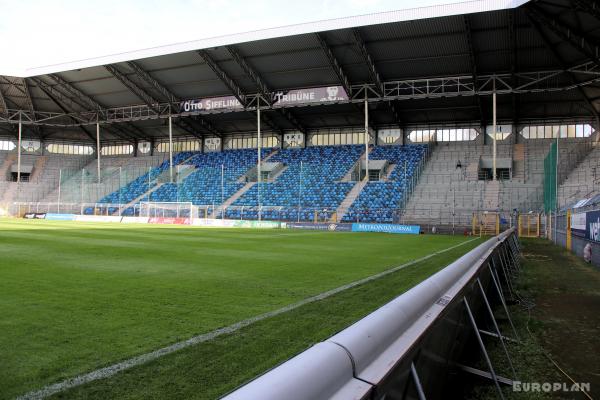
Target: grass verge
x=75 y=297
x=562 y=321
x=210 y=370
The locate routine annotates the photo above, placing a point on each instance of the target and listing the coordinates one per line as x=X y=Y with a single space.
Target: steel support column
x=258 y=166
x=19 y=151
x=170 y=149
x=98 y=149
x=494 y=136
x=367 y=140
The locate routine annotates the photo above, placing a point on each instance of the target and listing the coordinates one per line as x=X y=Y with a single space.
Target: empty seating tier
x=379 y=201
x=311 y=184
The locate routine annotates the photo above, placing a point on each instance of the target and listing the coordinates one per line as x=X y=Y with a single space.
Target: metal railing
x=407 y=348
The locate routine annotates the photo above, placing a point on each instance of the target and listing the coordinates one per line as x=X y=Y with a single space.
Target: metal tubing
x=417 y=381
x=505 y=274
x=371 y=346
x=170 y=149
x=59 y=189
x=502 y=299
x=98 y=149
x=482 y=347
x=258 y=166
x=366 y=138
x=494 y=133
x=19 y=151
x=496 y=328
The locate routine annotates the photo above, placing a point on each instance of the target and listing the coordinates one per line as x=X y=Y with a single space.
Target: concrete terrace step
x=348 y=176
x=349 y=199
x=242 y=178
x=491 y=197
x=5 y=167
x=233 y=198
x=389 y=172
x=38 y=167
x=275 y=151
x=141 y=197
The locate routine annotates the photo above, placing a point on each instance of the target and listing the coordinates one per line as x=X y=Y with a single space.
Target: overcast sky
x=37 y=33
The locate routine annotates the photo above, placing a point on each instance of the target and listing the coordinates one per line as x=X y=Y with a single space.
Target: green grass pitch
x=75 y=297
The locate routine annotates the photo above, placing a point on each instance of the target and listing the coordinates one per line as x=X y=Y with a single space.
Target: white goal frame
x=168 y=209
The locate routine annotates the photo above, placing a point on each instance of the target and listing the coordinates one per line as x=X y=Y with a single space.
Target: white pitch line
x=144 y=358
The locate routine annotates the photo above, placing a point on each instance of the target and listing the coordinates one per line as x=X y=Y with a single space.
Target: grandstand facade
x=428 y=116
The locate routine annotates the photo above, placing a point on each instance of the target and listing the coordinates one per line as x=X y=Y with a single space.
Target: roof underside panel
x=505 y=41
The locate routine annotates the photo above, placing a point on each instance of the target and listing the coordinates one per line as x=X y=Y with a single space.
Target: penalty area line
x=111 y=370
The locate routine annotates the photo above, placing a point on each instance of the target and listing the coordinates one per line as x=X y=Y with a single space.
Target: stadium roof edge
x=467 y=7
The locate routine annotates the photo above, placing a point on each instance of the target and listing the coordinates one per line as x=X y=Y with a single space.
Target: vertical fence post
x=59 y=189
x=82 y=183
x=300 y=191
x=568 y=233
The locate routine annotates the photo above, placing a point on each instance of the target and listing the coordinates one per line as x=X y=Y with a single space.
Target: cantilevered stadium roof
x=425 y=66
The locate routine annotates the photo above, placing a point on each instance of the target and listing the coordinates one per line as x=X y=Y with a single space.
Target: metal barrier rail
x=405 y=348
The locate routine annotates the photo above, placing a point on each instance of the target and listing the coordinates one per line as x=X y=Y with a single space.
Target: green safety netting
x=550 y=187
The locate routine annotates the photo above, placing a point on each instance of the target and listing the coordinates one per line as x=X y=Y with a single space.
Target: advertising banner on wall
x=386 y=228
x=34 y=215
x=165 y=220
x=214 y=223
x=97 y=218
x=310 y=95
x=257 y=224
x=317 y=95
x=61 y=217
x=134 y=220
x=234 y=223
x=578 y=224
x=319 y=226
x=592 y=225
x=211 y=104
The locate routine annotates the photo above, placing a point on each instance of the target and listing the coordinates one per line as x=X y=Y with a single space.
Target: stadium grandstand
x=390 y=119
x=471 y=118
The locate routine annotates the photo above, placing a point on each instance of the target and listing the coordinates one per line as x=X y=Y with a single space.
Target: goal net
x=154 y=209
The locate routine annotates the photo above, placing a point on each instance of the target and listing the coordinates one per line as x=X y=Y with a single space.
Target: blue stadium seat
x=379 y=200
x=309 y=186
x=205 y=186
x=141 y=184
x=309 y=182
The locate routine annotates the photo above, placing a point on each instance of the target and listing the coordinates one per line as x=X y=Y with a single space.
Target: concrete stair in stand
x=140 y=198
x=491 y=197
x=5 y=167
x=38 y=167
x=349 y=199
x=519 y=162
x=488 y=224
x=232 y=199
x=348 y=176
x=9 y=192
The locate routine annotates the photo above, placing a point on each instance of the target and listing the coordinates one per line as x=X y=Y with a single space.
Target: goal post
x=162 y=209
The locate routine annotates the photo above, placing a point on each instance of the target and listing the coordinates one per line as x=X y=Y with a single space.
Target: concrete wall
x=577 y=245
